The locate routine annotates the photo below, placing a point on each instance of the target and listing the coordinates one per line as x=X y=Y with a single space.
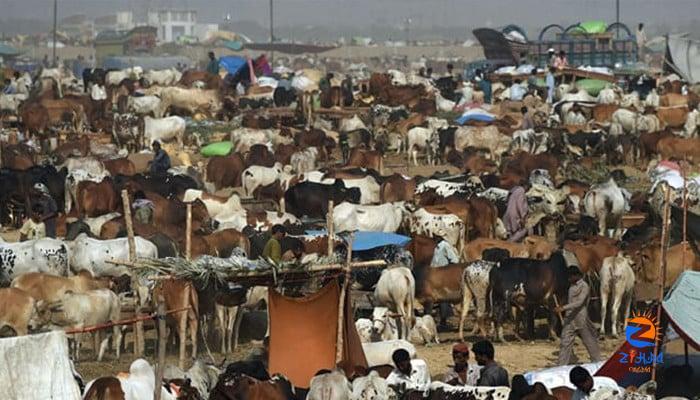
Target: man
x=213 y=65
x=346 y=89
x=551 y=56
x=491 y=373
x=586 y=385
x=161 y=161
x=450 y=71
x=527 y=122
x=405 y=377
x=641 y=37
x=561 y=61
x=33 y=228
x=549 y=80
x=429 y=73
x=517 y=91
x=344 y=146
x=484 y=85
x=532 y=80
x=273 y=248
x=45 y=62
x=576 y=321
x=516 y=214
x=462 y=373
x=48 y=207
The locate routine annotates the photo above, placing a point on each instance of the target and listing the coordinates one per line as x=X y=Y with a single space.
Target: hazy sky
x=356 y=14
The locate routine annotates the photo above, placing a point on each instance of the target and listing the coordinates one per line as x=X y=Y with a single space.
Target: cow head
x=383 y=324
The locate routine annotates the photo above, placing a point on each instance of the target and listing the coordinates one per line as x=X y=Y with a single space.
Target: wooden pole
x=162 y=338
x=685 y=214
x=188 y=232
x=664 y=247
x=341 y=305
x=329 y=228
x=139 y=340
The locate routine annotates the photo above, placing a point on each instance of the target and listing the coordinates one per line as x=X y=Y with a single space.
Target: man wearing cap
x=462 y=373
x=48 y=207
x=552 y=57
x=576 y=321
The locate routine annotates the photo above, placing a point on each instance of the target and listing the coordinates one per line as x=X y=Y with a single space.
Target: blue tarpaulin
x=364 y=240
x=683 y=297
x=232 y=64
x=475 y=115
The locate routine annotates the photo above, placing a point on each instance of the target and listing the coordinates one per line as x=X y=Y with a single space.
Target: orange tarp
x=303 y=334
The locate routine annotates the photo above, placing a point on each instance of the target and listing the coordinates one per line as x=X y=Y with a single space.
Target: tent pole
x=685 y=348
x=341 y=306
x=664 y=239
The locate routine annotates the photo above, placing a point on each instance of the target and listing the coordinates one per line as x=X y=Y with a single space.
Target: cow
x=439 y=390
x=535 y=247
x=216 y=206
x=526 y=283
x=366 y=158
x=590 y=253
x=127 y=130
x=179 y=294
x=165 y=77
x=120 y=166
x=396 y=289
x=225 y=171
x=439 y=284
x=673 y=117
x=92 y=254
x=256 y=176
x=679 y=257
x=41 y=255
x=676 y=148
x=311 y=199
x=191 y=100
x=616 y=290
x=139 y=383
x=424 y=331
x=448 y=226
x=50 y=288
x=370 y=387
x=145 y=105
x=94 y=199
x=424 y=139
x=607 y=202
x=475 y=284
x=18 y=312
x=383 y=325
x=397 y=187
x=488 y=137
x=329 y=386
x=164 y=129
x=379 y=353
x=260 y=154
x=79 y=310
x=348 y=217
x=303 y=161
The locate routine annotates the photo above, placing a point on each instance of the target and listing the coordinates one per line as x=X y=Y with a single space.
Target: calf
x=225 y=171
x=179 y=294
x=536 y=247
x=18 y=311
x=396 y=288
x=397 y=187
x=616 y=284
x=527 y=283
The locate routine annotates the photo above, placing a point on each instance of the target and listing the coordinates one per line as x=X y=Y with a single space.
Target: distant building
x=137 y=41
x=172 y=24
x=120 y=21
x=77 y=26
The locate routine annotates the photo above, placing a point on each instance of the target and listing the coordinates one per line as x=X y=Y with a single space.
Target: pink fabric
x=669 y=164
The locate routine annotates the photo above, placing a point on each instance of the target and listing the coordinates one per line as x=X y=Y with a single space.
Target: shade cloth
x=365 y=240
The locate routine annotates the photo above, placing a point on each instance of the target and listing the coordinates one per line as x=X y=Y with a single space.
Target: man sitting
x=273 y=248
x=33 y=227
x=492 y=374
x=462 y=373
x=161 y=161
x=406 y=376
x=586 y=384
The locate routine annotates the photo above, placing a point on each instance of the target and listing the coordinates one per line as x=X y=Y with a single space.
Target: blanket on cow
x=37 y=367
x=365 y=240
x=310 y=323
x=475 y=114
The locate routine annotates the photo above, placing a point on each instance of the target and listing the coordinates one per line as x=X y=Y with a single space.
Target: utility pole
x=617 y=18
x=272 y=33
x=55 y=20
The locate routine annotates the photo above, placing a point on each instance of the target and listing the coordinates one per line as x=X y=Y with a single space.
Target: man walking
x=213 y=65
x=576 y=321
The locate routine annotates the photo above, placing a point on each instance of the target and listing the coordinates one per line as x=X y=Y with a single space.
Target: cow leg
x=103 y=347
x=519 y=316
x=182 y=335
x=117 y=340
x=617 y=300
x=193 y=325
x=601 y=226
x=235 y=324
x=603 y=311
x=628 y=303
x=221 y=324
x=96 y=342
x=466 y=302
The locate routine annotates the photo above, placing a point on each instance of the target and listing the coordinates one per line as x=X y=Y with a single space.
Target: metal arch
x=619 y=25
x=513 y=27
x=548 y=27
x=571 y=28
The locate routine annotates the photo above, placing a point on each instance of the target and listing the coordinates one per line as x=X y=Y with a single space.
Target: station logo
x=641 y=333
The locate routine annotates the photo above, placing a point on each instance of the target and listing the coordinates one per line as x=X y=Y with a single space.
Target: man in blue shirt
x=550 y=85
x=161 y=161
x=517 y=91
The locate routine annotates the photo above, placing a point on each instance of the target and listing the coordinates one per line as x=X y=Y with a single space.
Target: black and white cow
x=42 y=255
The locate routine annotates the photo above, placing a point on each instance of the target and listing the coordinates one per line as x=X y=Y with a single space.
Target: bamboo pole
x=139 y=340
x=341 y=305
x=162 y=337
x=664 y=248
x=313 y=268
x=329 y=228
x=188 y=233
x=685 y=215
x=121 y=322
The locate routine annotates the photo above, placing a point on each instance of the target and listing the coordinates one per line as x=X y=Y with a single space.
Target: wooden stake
x=685 y=215
x=139 y=340
x=329 y=228
x=188 y=233
x=162 y=338
x=662 y=267
x=341 y=305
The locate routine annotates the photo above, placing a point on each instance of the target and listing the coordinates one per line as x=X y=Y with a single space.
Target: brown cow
x=76 y=147
x=17 y=156
x=95 y=199
x=602 y=113
x=523 y=163
x=283 y=153
x=120 y=166
x=536 y=247
x=259 y=154
x=422 y=249
x=672 y=99
x=649 y=140
x=225 y=171
x=678 y=148
x=50 y=288
x=591 y=252
x=412 y=121
x=173 y=212
x=18 y=310
x=648 y=259
x=34 y=117
x=397 y=188
x=218 y=244
x=178 y=294
x=442 y=284
x=245 y=387
x=105 y=388
x=366 y=159
x=212 y=81
x=673 y=117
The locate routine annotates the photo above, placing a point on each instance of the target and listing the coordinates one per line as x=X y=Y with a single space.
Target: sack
x=217 y=149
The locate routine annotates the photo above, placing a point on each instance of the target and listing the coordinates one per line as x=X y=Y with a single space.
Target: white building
x=172 y=24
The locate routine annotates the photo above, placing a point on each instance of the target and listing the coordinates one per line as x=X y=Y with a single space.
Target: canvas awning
x=679 y=304
x=683 y=58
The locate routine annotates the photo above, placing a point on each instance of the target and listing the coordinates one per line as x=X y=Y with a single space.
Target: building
x=77 y=26
x=137 y=41
x=120 y=21
x=173 y=24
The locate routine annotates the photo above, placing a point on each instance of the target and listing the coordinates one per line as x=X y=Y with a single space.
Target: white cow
x=653 y=99
x=692 y=123
x=351 y=124
x=379 y=353
x=422 y=139
x=607 y=202
x=475 y=283
x=364 y=329
x=9 y=103
x=114 y=78
x=229 y=318
x=470 y=392
x=330 y=386
x=145 y=105
x=488 y=136
x=41 y=255
x=216 y=206
x=165 y=77
x=203 y=377
x=384 y=324
x=80 y=310
x=192 y=100
x=370 y=387
x=424 y=331
x=304 y=160
x=257 y=175
x=631 y=100
x=92 y=254
x=443 y=104
x=448 y=226
x=396 y=289
x=348 y=217
x=607 y=96
x=624 y=120
x=616 y=284
x=369 y=188
x=164 y=129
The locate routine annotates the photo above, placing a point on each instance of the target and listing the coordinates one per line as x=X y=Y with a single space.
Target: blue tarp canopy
x=8 y=51
x=232 y=64
x=681 y=305
x=365 y=240
x=475 y=115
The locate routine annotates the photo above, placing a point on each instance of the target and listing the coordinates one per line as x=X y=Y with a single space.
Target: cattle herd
x=598 y=173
